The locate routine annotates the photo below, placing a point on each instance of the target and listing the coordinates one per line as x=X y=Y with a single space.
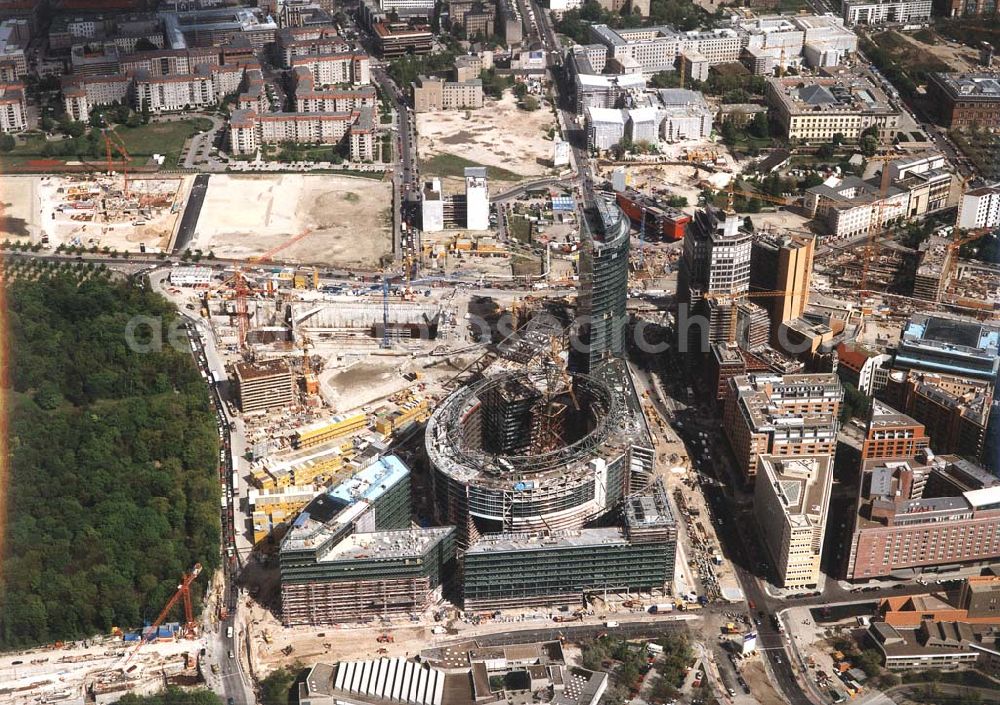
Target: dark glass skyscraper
x=603 y=286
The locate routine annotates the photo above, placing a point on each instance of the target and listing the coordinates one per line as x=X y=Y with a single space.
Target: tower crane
x=190 y=626
x=238 y=284
x=119 y=145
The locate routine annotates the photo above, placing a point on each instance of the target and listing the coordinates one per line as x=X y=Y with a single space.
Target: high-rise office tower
x=782 y=263
x=714 y=275
x=477 y=199
x=603 y=286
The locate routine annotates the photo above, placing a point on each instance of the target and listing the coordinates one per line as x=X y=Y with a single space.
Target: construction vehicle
x=384 y=639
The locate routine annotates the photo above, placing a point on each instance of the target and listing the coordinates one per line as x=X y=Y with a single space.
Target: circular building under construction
x=533 y=450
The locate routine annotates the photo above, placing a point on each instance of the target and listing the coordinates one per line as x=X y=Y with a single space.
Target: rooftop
x=802 y=483
x=969 y=86
x=560 y=540
x=385 y=545
x=802 y=94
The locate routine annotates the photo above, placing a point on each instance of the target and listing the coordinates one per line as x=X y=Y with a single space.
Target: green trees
x=173 y=696
x=112 y=492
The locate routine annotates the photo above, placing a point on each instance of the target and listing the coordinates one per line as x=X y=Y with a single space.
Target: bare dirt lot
x=348 y=219
x=498 y=135
x=19 y=207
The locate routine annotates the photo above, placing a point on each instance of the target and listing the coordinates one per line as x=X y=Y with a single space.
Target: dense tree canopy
x=112 y=492
x=173 y=696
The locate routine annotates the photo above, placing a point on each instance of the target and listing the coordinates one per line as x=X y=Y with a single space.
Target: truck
x=229 y=632
x=438 y=630
x=611 y=625
x=653 y=648
x=661 y=607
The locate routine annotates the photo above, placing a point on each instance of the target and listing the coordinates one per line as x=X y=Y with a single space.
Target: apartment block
x=334 y=69
x=434 y=94
x=781 y=415
x=264 y=386
x=954 y=410
x=791 y=504
x=815 y=109
x=13 y=116
x=882 y=12
x=310 y=99
x=920 y=513
x=249 y=130
x=891 y=434
x=475 y=17
x=175 y=93
x=80 y=94
x=980 y=208
x=295 y=42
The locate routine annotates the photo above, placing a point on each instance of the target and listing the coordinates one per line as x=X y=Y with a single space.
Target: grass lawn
x=520 y=228
x=445 y=165
x=165 y=138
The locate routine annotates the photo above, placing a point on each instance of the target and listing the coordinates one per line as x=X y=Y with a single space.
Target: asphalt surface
x=222 y=650
x=628 y=630
x=189 y=221
x=405 y=178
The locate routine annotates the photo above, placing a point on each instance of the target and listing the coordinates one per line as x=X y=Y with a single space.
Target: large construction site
x=348 y=219
x=117 y=212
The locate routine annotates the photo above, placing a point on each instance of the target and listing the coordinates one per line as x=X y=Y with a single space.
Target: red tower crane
x=119 y=146
x=240 y=288
x=190 y=626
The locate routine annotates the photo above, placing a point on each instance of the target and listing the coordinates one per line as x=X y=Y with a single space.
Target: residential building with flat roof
x=883 y=12
x=435 y=94
x=777 y=415
x=791 y=504
x=979 y=208
x=954 y=410
x=890 y=434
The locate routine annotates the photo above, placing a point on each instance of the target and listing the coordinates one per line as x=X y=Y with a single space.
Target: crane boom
x=183 y=593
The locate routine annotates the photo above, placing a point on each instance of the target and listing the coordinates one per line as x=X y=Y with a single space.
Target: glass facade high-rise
x=603 y=286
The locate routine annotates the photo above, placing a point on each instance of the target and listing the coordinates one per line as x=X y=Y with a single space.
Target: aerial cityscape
x=499 y=352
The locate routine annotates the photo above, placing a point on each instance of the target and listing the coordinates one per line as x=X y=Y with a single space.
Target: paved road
x=223 y=649
x=629 y=630
x=189 y=221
